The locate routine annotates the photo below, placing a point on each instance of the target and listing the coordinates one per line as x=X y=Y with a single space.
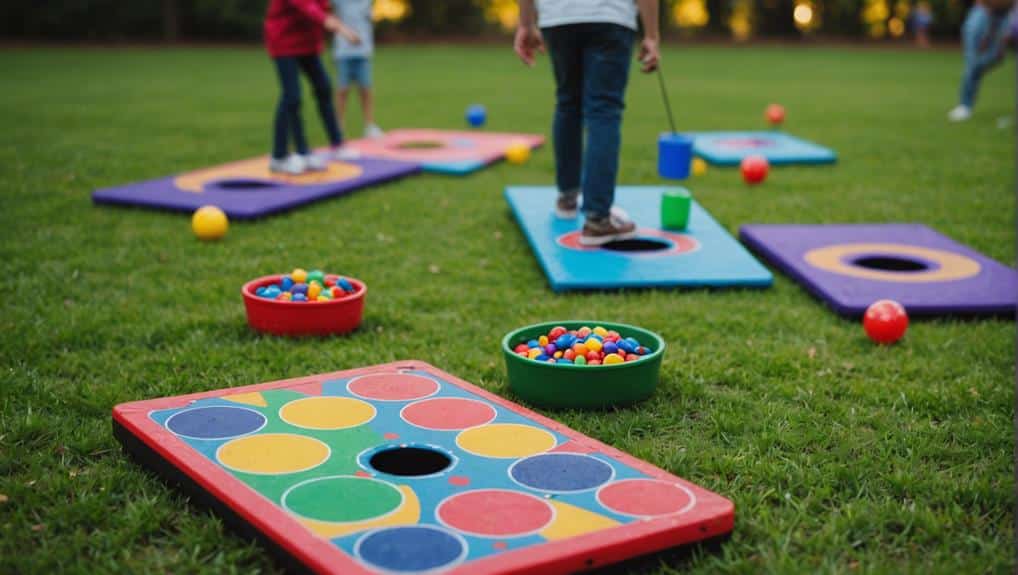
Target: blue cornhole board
x=703 y=255
x=729 y=148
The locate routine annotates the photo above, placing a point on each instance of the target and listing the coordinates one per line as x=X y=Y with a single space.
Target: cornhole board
x=247 y=189
x=402 y=468
x=729 y=148
x=703 y=255
x=443 y=151
x=851 y=266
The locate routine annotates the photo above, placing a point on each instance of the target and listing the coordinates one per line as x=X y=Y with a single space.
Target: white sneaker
x=373 y=131
x=292 y=165
x=619 y=216
x=315 y=163
x=345 y=153
x=960 y=113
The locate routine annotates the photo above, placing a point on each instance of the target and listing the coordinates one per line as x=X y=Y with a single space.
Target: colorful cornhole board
x=247 y=189
x=402 y=468
x=729 y=148
x=443 y=151
x=703 y=255
x=851 y=266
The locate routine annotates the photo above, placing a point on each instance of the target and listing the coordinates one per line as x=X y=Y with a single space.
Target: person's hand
x=336 y=26
x=527 y=43
x=649 y=55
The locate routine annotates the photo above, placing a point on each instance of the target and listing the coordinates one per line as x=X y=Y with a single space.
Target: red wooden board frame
x=713 y=515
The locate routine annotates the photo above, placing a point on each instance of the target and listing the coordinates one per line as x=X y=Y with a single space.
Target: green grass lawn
x=840 y=456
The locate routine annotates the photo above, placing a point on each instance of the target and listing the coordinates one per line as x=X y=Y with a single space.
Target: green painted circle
x=342 y=499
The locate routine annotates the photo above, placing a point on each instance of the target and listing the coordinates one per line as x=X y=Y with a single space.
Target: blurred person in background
x=986 y=30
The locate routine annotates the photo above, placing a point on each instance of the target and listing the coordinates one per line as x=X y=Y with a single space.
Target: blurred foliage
x=230 y=20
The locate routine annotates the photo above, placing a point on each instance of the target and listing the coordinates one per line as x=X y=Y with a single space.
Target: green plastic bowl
x=557 y=385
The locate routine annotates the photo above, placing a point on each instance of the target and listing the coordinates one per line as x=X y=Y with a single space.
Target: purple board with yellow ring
x=403 y=468
x=730 y=148
x=851 y=266
x=702 y=255
x=247 y=189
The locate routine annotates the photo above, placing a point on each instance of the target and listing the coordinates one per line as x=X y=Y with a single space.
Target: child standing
x=983 y=36
x=294 y=31
x=353 y=61
x=590 y=44
x=922 y=19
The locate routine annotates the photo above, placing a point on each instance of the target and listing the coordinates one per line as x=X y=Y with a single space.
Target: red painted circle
x=392 y=386
x=644 y=497
x=680 y=243
x=448 y=413
x=743 y=143
x=459 y=481
x=495 y=513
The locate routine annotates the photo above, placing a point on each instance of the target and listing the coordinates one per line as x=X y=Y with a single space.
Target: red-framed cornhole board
x=402 y=468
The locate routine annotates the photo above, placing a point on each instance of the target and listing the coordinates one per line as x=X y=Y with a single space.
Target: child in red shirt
x=294 y=32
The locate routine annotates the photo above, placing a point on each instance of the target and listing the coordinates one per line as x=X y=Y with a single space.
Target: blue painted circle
x=410 y=549
x=561 y=472
x=215 y=422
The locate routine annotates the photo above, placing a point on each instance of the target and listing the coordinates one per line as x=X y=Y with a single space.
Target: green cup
x=675 y=203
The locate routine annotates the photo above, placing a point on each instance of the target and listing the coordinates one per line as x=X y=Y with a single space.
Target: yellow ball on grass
x=517 y=153
x=699 y=167
x=209 y=223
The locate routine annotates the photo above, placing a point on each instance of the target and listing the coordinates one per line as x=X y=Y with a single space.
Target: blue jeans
x=591 y=65
x=288 y=121
x=982 y=37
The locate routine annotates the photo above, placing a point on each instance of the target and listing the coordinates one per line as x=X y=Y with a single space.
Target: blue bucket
x=674 y=155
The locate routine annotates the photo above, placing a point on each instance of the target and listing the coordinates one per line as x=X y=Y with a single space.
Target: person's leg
x=288 y=110
x=312 y=67
x=342 y=89
x=973 y=34
x=567 y=127
x=364 y=81
x=607 y=51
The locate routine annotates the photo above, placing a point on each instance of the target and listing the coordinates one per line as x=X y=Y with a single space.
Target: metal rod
x=664 y=96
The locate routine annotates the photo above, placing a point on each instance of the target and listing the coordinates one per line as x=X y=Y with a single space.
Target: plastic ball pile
x=584 y=346
x=307 y=286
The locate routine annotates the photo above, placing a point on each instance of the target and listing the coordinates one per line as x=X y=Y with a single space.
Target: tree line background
x=241 y=20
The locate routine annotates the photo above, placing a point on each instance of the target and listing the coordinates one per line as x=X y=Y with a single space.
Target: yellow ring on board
x=953 y=266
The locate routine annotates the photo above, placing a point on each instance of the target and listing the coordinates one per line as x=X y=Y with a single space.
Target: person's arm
x=650 y=50
x=312 y=10
x=528 y=40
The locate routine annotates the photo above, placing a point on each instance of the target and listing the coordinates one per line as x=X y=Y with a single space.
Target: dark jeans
x=288 y=119
x=591 y=65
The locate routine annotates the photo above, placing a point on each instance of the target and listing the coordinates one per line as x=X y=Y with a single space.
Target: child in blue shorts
x=983 y=37
x=590 y=43
x=353 y=61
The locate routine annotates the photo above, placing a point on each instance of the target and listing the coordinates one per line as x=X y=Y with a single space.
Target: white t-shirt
x=561 y=12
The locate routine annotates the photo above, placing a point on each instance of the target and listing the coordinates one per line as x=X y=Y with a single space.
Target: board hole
x=638 y=245
x=410 y=461
x=420 y=145
x=890 y=264
x=245 y=184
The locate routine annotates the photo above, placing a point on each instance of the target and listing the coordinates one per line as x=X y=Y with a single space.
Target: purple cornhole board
x=852 y=266
x=246 y=189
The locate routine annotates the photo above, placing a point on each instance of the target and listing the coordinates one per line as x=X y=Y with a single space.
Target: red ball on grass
x=885 y=321
x=775 y=114
x=754 y=169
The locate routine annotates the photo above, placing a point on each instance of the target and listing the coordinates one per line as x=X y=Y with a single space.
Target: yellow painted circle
x=505 y=440
x=952 y=266
x=273 y=453
x=327 y=412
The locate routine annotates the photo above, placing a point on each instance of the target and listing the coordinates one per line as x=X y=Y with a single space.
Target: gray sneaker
x=315 y=163
x=600 y=231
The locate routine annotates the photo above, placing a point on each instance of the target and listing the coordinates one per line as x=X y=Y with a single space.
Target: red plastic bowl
x=341 y=315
